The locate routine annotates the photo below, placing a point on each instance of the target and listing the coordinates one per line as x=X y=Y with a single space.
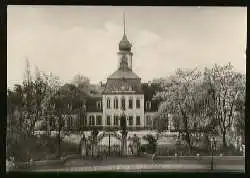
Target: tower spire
x=124 y=29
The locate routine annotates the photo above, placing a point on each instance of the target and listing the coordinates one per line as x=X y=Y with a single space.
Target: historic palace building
x=123 y=93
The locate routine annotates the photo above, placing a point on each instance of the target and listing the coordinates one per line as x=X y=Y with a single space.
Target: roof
x=129 y=86
x=123 y=74
x=93 y=90
x=124 y=44
x=124 y=80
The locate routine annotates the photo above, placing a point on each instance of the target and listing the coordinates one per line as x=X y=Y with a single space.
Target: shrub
x=41 y=148
x=152 y=143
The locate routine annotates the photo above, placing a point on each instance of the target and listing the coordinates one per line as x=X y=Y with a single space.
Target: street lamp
x=213 y=142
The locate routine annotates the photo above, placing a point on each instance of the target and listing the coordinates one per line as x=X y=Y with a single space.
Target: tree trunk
x=59 y=143
x=188 y=139
x=59 y=137
x=224 y=139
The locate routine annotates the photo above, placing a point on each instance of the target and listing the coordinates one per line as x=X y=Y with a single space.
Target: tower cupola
x=124 y=44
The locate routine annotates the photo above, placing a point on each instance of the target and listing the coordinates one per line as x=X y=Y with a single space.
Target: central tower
x=124 y=53
x=123 y=94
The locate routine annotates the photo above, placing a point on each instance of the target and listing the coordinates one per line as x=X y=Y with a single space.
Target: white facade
x=134 y=111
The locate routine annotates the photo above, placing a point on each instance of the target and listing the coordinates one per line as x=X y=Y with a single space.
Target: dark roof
x=124 y=80
x=123 y=86
x=124 y=44
x=123 y=74
x=93 y=90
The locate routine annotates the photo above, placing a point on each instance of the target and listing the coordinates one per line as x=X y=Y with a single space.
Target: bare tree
x=178 y=95
x=227 y=86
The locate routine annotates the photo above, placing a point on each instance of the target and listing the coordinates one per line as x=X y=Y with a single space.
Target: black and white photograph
x=126 y=88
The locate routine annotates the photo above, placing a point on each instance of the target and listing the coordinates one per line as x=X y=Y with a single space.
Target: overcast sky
x=70 y=40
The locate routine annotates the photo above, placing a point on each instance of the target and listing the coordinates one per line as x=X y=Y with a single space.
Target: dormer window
x=148 y=105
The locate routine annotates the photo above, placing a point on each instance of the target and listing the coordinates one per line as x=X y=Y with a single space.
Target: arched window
x=130 y=103
x=108 y=103
x=116 y=103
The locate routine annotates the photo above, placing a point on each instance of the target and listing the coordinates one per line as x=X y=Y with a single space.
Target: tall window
x=148 y=121
x=99 y=120
x=108 y=120
x=123 y=103
x=138 y=103
x=108 y=103
x=130 y=103
x=99 y=105
x=138 y=121
x=116 y=103
x=130 y=120
x=116 y=120
x=148 y=105
x=91 y=120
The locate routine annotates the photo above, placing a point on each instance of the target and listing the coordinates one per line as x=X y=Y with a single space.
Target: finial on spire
x=124 y=23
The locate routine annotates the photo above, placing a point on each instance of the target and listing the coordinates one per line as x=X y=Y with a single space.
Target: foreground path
x=146 y=164
x=148 y=167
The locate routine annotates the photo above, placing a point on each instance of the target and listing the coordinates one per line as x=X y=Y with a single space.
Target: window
x=138 y=120
x=116 y=120
x=130 y=120
x=108 y=103
x=137 y=103
x=148 y=121
x=148 y=105
x=130 y=103
x=99 y=105
x=123 y=103
x=91 y=120
x=116 y=103
x=99 y=120
x=70 y=123
x=108 y=120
